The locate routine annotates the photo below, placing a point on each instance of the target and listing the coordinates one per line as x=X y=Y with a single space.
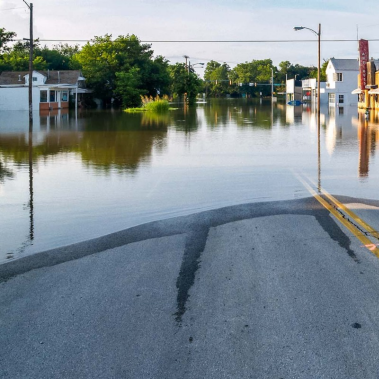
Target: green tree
x=313 y=73
x=287 y=69
x=17 y=58
x=127 y=87
x=102 y=58
x=217 y=79
x=57 y=58
x=256 y=71
x=5 y=38
x=184 y=82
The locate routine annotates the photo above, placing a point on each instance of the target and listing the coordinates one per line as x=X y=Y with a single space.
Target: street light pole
x=30 y=6
x=296 y=28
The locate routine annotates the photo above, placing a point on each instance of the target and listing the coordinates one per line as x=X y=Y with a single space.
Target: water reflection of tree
x=123 y=151
x=4 y=173
x=104 y=150
x=155 y=120
x=186 y=119
x=15 y=147
x=247 y=113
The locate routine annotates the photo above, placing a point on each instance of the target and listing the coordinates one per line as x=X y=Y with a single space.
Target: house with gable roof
x=51 y=89
x=341 y=80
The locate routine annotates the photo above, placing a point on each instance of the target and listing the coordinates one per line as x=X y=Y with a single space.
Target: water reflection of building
x=339 y=127
x=17 y=122
x=104 y=140
x=294 y=114
x=368 y=137
x=344 y=127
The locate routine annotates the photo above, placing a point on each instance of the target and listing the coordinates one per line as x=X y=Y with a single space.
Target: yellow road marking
x=351 y=214
x=366 y=242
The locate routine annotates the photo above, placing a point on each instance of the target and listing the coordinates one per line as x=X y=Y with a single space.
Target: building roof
x=65 y=77
x=345 y=64
x=13 y=77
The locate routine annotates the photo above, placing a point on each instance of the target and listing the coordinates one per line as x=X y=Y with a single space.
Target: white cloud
x=205 y=20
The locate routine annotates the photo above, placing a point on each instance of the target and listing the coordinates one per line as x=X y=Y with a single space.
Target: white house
x=341 y=80
x=305 y=91
x=51 y=89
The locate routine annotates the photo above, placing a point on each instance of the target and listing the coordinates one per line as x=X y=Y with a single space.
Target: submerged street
x=227 y=240
x=189 y=190
x=278 y=289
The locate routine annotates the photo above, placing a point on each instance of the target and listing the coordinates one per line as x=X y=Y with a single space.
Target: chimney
x=19 y=78
x=48 y=73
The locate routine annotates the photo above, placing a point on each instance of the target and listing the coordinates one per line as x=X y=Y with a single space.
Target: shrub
x=155 y=104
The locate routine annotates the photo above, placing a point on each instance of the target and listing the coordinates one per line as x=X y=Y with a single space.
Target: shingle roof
x=66 y=77
x=12 y=77
x=345 y=64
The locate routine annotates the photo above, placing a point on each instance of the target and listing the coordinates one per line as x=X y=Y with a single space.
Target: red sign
x=363 y=59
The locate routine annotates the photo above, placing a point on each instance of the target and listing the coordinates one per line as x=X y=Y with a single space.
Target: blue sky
x=207 y=20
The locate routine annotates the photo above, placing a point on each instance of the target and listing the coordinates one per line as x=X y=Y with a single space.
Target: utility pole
x=30 y=6
x=186 y=57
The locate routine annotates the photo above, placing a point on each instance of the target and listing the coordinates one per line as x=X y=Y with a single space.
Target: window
x=338 y=77
x=64 y=96
x=52 y=96
x=332 y=98
x=340 y=99
x=43 y=97
x=34 y=79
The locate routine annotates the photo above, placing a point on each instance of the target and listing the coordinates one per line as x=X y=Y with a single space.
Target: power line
x=218 y=41
x=10 y=9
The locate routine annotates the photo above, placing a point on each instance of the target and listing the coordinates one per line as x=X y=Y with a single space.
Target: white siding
x=17 y=99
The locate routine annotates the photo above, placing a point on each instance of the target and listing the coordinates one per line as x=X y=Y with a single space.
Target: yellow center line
x=367 y=243
x=351 y=214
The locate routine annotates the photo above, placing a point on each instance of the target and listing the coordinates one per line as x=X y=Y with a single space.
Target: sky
x=199 y=20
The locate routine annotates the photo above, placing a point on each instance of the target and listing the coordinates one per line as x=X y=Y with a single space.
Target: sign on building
x=363 y=58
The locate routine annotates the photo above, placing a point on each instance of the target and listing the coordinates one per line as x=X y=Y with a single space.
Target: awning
x=357 y=91
x=374 y=91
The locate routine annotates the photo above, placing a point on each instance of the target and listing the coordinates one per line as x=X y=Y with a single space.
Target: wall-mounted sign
x=363 y=58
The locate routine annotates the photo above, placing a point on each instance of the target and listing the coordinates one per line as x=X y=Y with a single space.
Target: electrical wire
x=10 y=9
x=217 y=41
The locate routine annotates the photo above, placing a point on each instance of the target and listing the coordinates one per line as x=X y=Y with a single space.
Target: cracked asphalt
x=261 y=290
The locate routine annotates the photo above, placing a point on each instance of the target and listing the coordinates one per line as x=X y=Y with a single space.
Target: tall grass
x=155 y=104
x=152 y=104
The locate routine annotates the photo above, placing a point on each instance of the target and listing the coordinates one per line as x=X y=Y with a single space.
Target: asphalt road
x=268 y=290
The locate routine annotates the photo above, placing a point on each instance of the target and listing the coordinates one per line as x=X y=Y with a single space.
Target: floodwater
x=80 y=176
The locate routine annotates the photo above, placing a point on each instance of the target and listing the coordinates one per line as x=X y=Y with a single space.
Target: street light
x=193 y=65
x=297 y=28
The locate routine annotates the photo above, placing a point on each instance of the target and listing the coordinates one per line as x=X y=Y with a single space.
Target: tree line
x=124 y=69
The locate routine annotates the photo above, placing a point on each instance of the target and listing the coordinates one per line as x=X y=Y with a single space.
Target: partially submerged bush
x=152 y=104
x=155 y=104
